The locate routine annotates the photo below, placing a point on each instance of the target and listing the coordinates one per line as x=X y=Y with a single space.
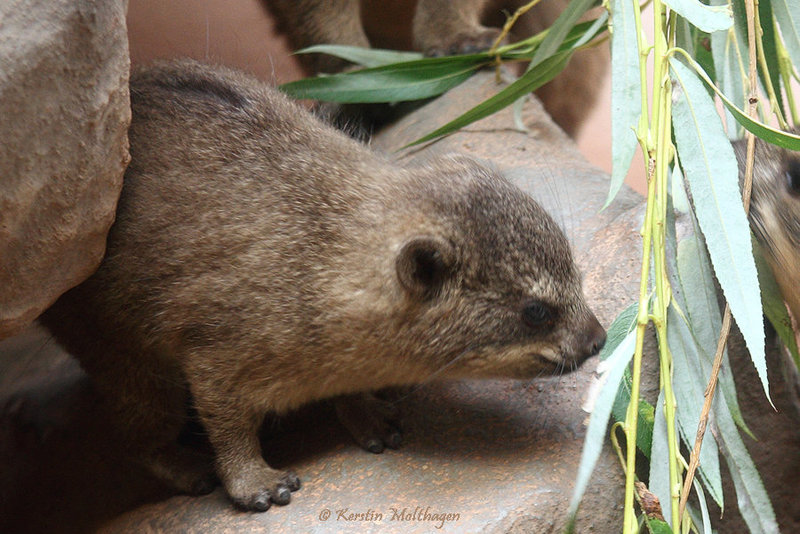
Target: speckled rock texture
x=65 y=113
x=478 y=456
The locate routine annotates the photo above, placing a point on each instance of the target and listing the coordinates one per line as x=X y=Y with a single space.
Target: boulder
x=64 y=102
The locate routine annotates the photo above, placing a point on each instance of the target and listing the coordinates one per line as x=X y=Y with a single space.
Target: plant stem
x=762 y=60
x=655 y=140
x=694 y=460
x=786 y=71
x=663 y=127
x=630 y=524
x=510 y=23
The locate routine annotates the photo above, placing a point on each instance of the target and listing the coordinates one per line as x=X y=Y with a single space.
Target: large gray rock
x=65 y=112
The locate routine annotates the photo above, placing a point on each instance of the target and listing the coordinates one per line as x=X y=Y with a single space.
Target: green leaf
x=623 y=324
x=657 y=526
x=774 y=307
x=615 y=356
x=701 y=498
x=729 y=64
x=787 y=14
x=761 y=130
x=414 y=80
x=530 y=81
x=707 y=18
x=619 y=330
x=754 y=503
x=710 y=167
x=695 y=291
x=559 y=30
x=626 y=95
x=679 y=199
x=368 y=57
x=646 y=414
x=689 y=383
x=684 y=37
x=658 y=482
x=770 y=52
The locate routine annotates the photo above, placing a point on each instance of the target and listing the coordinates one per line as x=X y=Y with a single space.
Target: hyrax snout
x=261 y=260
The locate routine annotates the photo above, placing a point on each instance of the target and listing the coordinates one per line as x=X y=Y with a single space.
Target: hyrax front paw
x=370 y=420
x=255 y=489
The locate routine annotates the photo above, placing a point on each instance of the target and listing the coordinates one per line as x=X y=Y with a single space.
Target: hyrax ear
x=424 y=264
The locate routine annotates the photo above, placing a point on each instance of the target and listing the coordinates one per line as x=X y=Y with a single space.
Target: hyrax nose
x=590 y=340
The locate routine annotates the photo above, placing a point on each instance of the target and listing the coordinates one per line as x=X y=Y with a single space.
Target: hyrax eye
x=536 y=314
x=793 y=176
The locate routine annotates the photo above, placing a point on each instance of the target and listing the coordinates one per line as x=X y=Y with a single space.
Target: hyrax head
x=489 y=281
x=775 y=212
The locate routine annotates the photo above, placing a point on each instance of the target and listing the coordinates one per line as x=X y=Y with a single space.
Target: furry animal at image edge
x=261 y=260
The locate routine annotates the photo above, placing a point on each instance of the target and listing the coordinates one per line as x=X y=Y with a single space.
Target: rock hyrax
x=261 y=260
x=775 y=213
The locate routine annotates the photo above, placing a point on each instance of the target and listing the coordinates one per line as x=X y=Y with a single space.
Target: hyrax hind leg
x=150 y=409
x=371 y=421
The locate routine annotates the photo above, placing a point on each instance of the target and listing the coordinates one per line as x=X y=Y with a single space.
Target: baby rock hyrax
x=261 y=260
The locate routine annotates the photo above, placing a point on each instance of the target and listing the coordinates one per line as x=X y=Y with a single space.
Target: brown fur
x=264 y=260
x=775 y=213
x=441 y=27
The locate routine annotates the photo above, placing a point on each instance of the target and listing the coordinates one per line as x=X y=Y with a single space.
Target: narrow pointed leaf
x=754 y=503
x=626 y=95
x=414 y=80
x=770 y=52
x=623 y=324
x=659 y=459
x=761 y=130
x=368 y=57
x=689 y=383
x=614 y=367
x=787 y=14
x=774 y=307
x=530 y=81
x=710 y=167
x=701 y=498
x=560 y=29
x=696 y=293
x=683 y=36
x=679 y=199
x=707 y=18
x=729 y=63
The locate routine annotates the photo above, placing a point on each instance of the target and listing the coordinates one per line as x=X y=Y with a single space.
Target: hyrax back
x=261 y=260
x=775 y=213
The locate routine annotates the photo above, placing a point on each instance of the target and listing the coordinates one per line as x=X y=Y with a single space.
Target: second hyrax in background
x=775 y=213
x=439 y=27
x=261 y=260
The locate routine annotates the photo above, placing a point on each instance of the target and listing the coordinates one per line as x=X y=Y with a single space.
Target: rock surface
x=65 y=113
